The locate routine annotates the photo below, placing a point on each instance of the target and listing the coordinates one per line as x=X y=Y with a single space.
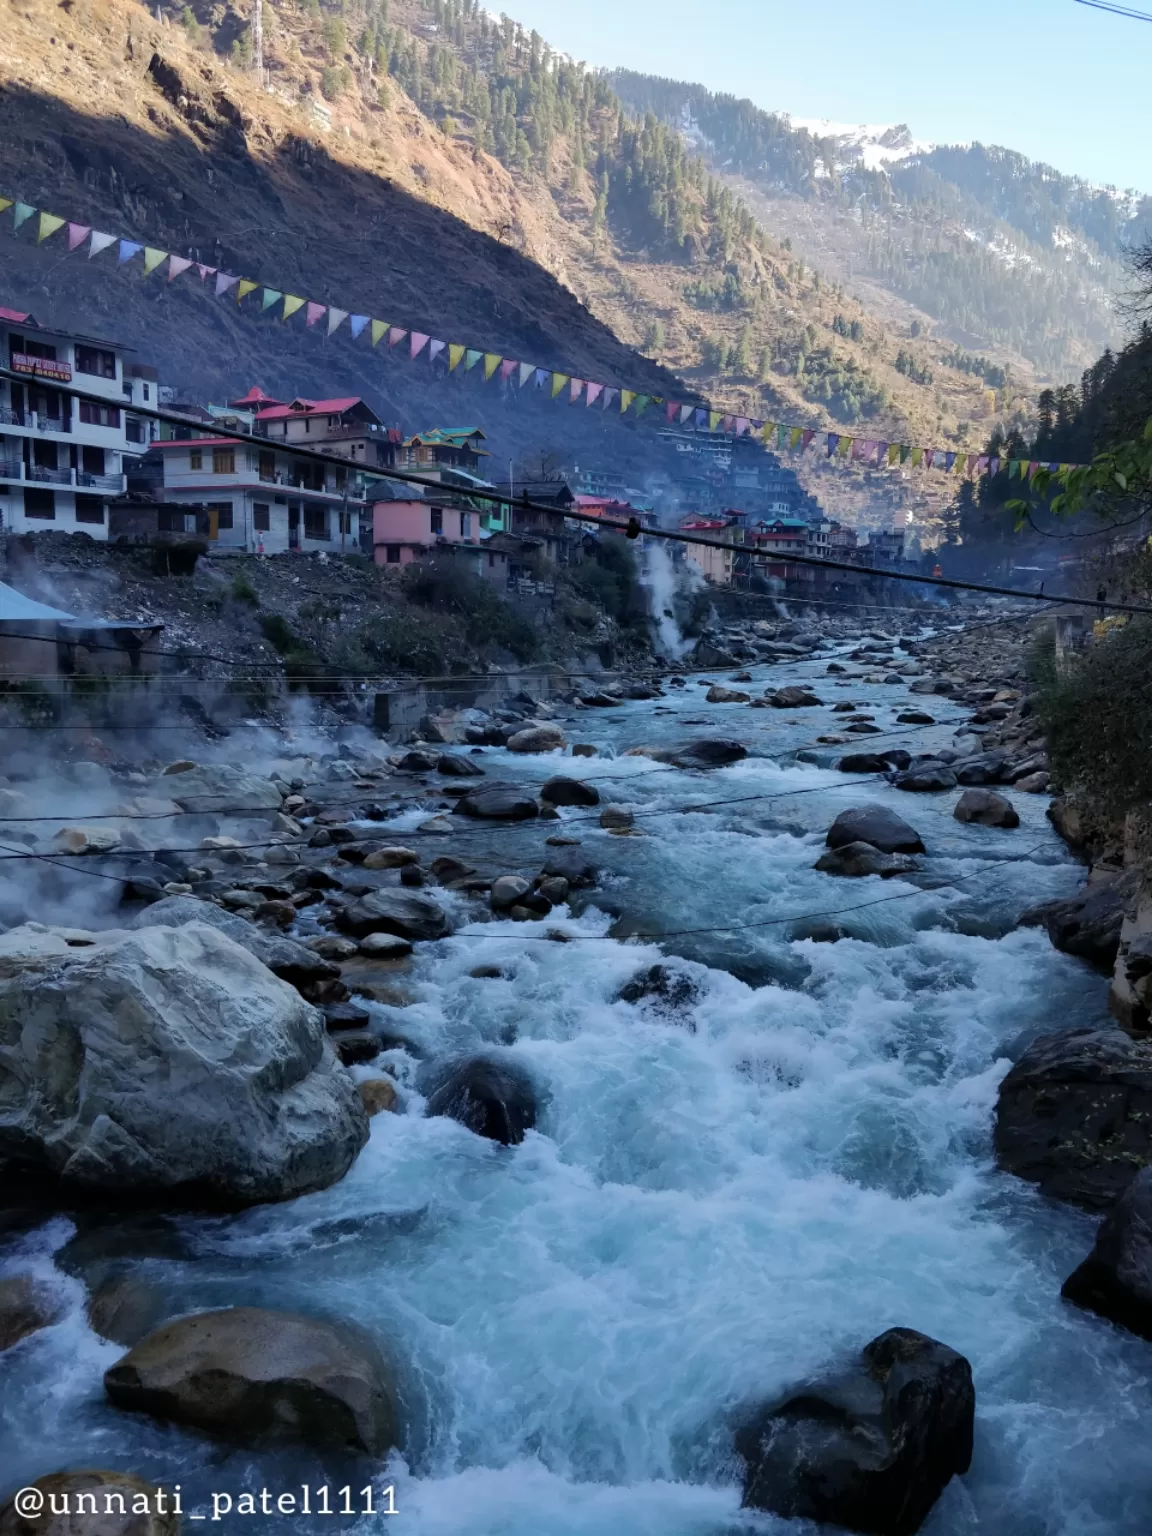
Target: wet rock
x=817 y=932
x=1067 y=816
x=248 y=1374
x=554 y=890
x=617 y=818
x=87 y=839
x=498 y=802
x=377 y=1094
x=599 y=700
x=710 y=753
x=355 y=1046
x=418 y=761
x=565 y=791
x=1115 y=1280
x=216 y=788
x=74 y=1494
x=571 y=865
x=863 y=762
x=863 y=859
x=445 y=868
x=507 y=891
x=345 y=1016
x=329 y=947
x=125 y=1307
x=987 y=808
x=863 y=728
x=289 y=960
x=585 y=749
x=667 y=989
x=870 y=1448
x=930 y=685
x=914 y=717
x=282 y=913
x=989 y=768
x=1074 y=1115
x=877 y=825
x=925 y=778
x=390 y=858
x=1033 y=784
x=793 y=697
x=397 y=912
x=412 y=876
x=537 y=738
x=492 y=1098
x=222 y=1090
x=720 y=695
x=385 y=946
x=454 y=767
x=706 y=654
x=26 y=1306
x=1089 y=924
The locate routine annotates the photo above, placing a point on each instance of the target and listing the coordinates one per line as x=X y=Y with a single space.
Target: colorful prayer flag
x=594 y=393
x=313 y=313
x=455 y=353
x=49 y=224
x=626 y=398
x=336 y=318
x=178 y=264
x=224 y=281
x=77 y=234
x=21 y=213
x=378 y=329
x=153 y=258
x=558 y=382
x=291 y=305
x=417 y=342
x=128 y=249
x=471 y=358
x=244 y=287
x=269 y=297
x=575 y=390
x=356 y=324
x=526 y=372
x=507 y=368
x=492 y=361
x=395 y=335
x=435 y=348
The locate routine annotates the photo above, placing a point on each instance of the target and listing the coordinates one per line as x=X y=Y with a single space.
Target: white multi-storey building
x=61 y=459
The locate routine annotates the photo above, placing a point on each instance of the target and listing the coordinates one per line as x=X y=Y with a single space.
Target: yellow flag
x=794 y=437
x=917 y=457
x=558 y=382
x=626 y=398
x=378 y=329
x=768 y=432
x=243 y=288
x=846 y=446
x=153 y=258
x=491 y=363
x=49 y=224
x=5 y=204
x=455 y=353
x=291 y=305
x=893 y=453
x=714 y=419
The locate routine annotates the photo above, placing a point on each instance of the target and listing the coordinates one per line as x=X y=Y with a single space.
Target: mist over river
x=717 y=1200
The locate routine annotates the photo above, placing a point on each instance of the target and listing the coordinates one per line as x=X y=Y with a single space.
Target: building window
x=437 y=520
x=465 y=525
x=39 y=503
x=261 y=516
x=39 y=349
x=92 y=460
x=345 y=522
x=147 y=396
x=195 y=459
x=94 y=415
x=392 y=554
x=223 y=461
x=267 y=465
x=134 y=429
x=315 y=522
x=89 y=509
x=95 y=360
x=223 y=511
x=333 y=421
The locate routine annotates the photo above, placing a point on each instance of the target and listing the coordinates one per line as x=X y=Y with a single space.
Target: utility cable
x=631 y=529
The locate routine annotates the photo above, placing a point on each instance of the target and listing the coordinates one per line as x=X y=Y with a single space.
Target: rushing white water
x=712 y=1205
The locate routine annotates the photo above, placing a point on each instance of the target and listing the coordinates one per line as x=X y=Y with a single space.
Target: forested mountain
x=1001 y=249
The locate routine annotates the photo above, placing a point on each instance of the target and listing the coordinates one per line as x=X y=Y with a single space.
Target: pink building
x=403 y=531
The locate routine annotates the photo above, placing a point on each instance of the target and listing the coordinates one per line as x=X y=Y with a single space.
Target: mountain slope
x=1004 y=251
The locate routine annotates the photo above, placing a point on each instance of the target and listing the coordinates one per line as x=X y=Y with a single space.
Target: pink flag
x=77 y=234
x=313 y=313
x=671 y=410
x=395 y=334
x=419 y=340
x=205 y=272
x=727 y=424
x=594 y=393
x=176 y=265
x=806 y=438
x=508 y=367
x=742 y=425
x=574 y=390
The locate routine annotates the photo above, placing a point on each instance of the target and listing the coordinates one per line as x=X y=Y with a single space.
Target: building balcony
x=42 y=474
x=34 y=421
x=113 y=483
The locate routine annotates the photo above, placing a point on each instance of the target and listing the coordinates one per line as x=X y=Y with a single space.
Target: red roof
x=255 y=396
x=199 y=442
x=301 y=407
x=14 y=314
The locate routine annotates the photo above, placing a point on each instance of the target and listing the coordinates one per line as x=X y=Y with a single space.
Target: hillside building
x=62 y=459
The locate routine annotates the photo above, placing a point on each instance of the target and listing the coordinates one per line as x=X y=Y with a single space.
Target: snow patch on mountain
x=869 y=145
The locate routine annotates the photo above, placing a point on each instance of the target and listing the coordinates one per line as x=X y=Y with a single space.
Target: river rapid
x=717 y=1199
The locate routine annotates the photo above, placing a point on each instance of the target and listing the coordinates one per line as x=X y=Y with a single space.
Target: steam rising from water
x=660 y=581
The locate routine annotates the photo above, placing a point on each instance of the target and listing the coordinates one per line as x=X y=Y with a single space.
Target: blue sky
x=1056 y=80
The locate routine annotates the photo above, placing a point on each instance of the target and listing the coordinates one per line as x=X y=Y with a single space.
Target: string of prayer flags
x=291 y=305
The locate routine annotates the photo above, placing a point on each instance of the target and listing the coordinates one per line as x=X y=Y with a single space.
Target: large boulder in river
x=864 y=859
x=397 y=912
x=537 y=738
x=562 y=790
x=498 y=802
x=124 y=1505
x=925 y=778
x=1075 y=1115
x=1115 y=1279
x=987 y=808
x=877 y=825
x=247 y=1374
x=166 y=1061
x=718 y=694
x=216 y=787
x=793 y=697
x=711 y=752
x=1089 y=924
x=492 y=1098
x=291 y=961
x=870 y=1448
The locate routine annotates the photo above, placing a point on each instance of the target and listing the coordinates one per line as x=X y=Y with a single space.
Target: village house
x=408 y=523
x=62 y=459
x=717 y=566
x=37 y=640
x=443 y=448
x=346 y=426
